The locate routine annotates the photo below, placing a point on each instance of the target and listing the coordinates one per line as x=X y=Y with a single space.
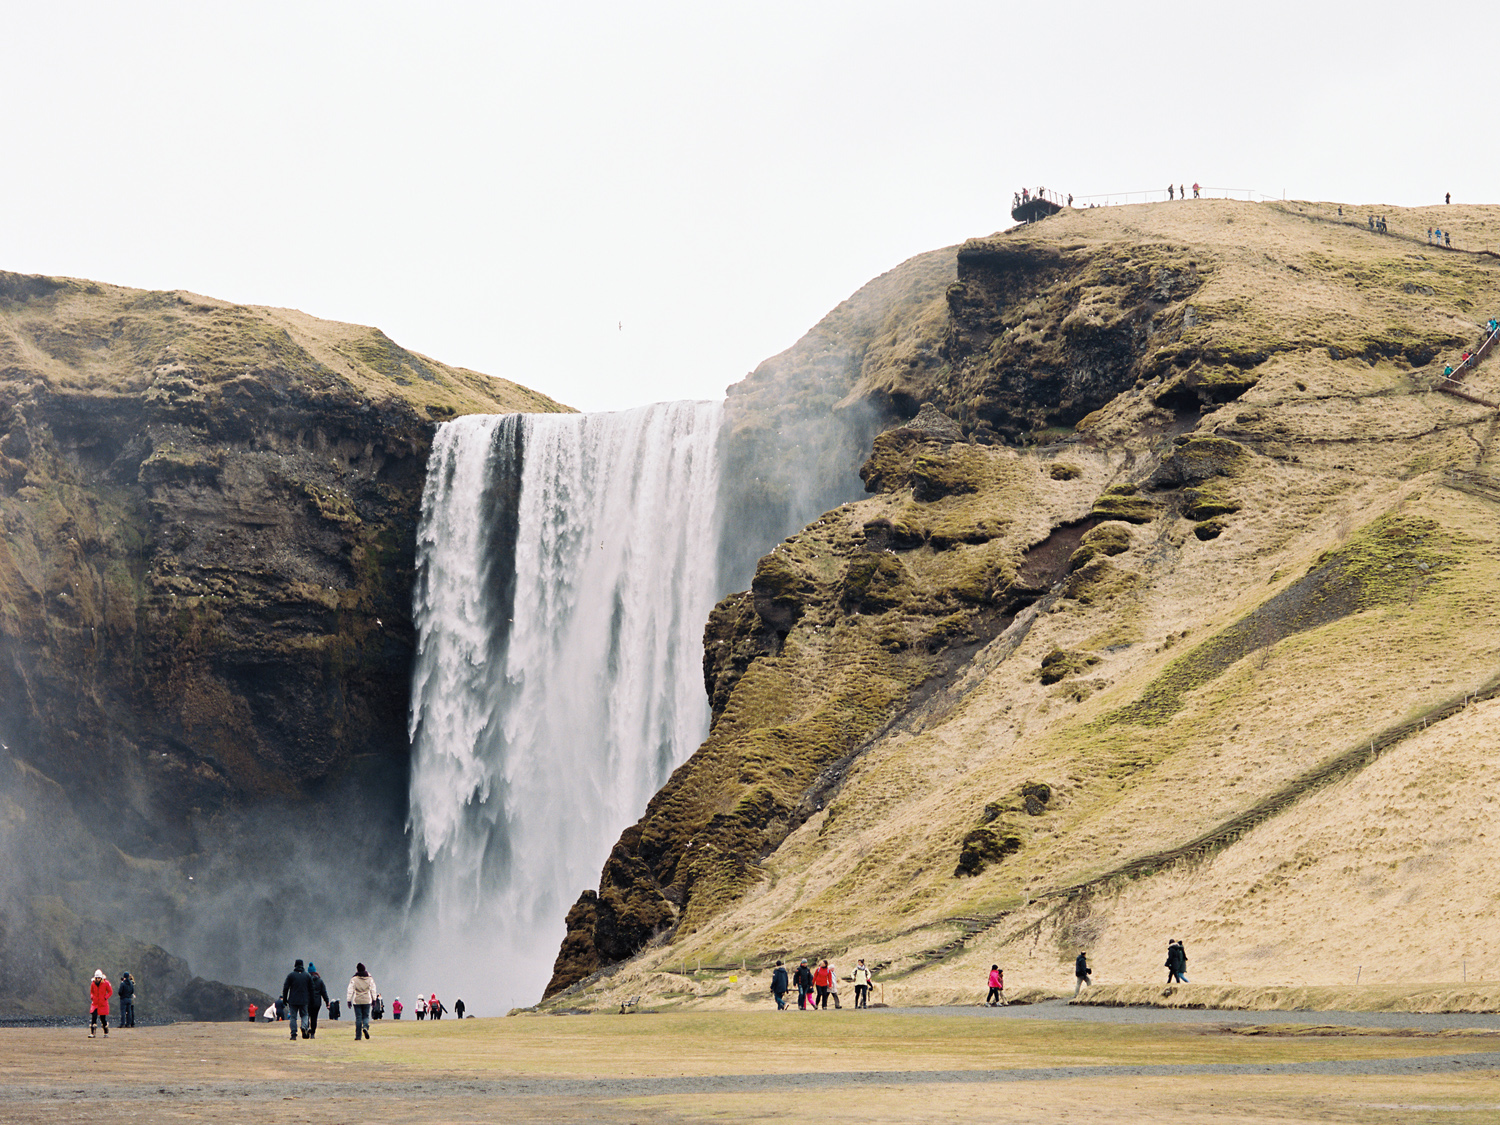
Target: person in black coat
x=458 y=1008
x=126 y=993
x=1176 y=962
x=297 y=991
x=319 y=998
x=802 y=978
x=1082 y=972
x=779 y=985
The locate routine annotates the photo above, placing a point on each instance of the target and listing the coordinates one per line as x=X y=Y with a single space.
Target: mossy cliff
x=1179 y=537
x=208 y=516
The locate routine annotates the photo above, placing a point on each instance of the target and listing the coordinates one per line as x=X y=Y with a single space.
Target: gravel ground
x=758 y=1083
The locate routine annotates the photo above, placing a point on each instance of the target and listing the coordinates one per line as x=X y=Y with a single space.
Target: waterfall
x=566 y=568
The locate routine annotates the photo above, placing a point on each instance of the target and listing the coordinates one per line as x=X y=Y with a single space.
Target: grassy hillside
x=1210 y=661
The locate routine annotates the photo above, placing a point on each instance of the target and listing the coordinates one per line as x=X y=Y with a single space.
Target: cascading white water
x=566 y=568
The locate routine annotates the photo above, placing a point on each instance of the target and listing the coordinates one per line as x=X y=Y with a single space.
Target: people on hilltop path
x=1181 y=192
x=421 y=1006
x=780 y=985
x=100 y=990
x=396 y=1008
x=997 y=986
x=1176 y=962
x=1082 y=971
x=319 y=998
x=803 y=979
x=1371 y=220
x=861 y=977
x=1447 y=197
x=360 y=995
x=458 y=1009
x=1170 y=190
x=297 y=991
x=126 y=993
x=1070 y=199
x=1195 y=191
x=1448 y=239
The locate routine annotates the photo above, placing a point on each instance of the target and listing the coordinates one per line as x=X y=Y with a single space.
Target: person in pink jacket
x=100 y=990
x=396 y=1008
x=997 y=985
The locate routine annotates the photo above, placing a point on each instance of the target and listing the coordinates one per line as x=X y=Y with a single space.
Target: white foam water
x=566 y=568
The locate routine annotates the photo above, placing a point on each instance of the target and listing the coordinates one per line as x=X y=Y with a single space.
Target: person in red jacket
x=253 y=1010
x=822 y=981
x=100 y=990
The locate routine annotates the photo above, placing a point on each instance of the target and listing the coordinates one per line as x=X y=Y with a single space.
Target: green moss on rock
x=1120 y=502
x=1108 y=539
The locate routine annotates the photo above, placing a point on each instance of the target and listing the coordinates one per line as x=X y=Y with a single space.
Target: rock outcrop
x=209 y=517
x=1190 y=545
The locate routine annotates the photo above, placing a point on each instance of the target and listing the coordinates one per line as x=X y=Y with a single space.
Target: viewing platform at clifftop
x=1029 y=208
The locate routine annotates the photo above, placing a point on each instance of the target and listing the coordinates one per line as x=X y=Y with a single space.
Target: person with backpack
x=435 y=1007
x=779 y=985
x=319 y=998
x=100 y=990
x=361 y=995
x=297 y=992
x=861 y=977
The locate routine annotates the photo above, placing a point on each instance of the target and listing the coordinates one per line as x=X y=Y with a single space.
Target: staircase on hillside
x=1449 y=382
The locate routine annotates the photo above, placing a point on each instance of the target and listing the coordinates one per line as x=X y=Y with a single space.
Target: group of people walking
x=816 y=986
x=1180 y=192
x=303 y=993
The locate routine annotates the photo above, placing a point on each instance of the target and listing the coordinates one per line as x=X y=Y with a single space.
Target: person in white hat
x=100 y=990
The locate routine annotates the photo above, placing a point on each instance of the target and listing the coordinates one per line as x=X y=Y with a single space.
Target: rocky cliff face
x=1183 y=539
x=209 y=514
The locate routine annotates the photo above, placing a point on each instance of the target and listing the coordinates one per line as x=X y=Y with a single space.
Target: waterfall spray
x=566 y=566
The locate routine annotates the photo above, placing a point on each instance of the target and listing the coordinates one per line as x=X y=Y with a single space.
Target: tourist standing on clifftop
x=1195 y=191
x=100 y=990
x=1170 y=190
x=1082 y=971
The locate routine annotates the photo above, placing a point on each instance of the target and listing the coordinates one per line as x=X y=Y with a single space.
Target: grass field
x=878 y=1066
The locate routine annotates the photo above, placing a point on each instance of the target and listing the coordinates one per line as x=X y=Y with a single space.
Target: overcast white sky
x=504 y=186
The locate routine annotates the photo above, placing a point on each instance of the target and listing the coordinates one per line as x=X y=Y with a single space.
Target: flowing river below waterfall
x=566 y=565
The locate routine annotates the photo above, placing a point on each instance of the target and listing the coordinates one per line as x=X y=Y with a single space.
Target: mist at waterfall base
x=566 y=567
